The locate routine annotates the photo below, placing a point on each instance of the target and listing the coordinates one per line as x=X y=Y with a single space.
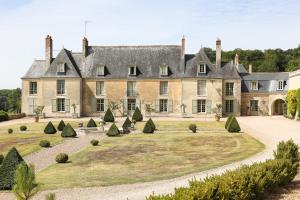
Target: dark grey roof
x=230 y=71
x=266 y=76
x=36 y=70
x=241 y=69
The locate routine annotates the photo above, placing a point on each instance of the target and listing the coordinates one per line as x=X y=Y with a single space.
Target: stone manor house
x=161 y=78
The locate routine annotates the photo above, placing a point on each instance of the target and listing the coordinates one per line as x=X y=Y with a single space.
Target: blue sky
x=247 y=24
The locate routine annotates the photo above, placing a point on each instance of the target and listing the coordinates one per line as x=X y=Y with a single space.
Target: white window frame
x=201 y=106
x=229 y=106
x=228 y=90
x=164 y=70
x=32 y=87
x=99 y=88
x=100 y=105
x=201 y=91
x=60 y=90
x=61 y=67
x=163 y=105
x=132 y=72
x=201 y=69
x=280 y=85
x=254 y=85
x=61 y=105
x=131 y=91
x=100 y=70
x=163 y=88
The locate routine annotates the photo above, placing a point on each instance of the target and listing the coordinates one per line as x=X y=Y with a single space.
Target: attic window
x=164 y=70
x=254 y=85
x=61 y=68
x=201 y=69
x=132 y=70
x=100 y=70
x=280 y=85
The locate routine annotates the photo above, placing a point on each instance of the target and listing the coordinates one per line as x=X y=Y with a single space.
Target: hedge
x=91 y=123
x=137 y=115
x=68 y=131
x=108 y=117
x=61 y=125
x=50 y=129
x=3 y=116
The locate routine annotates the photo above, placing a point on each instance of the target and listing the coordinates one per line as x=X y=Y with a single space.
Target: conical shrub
x=61 y=125
x=50 y=129
x=148 y=128
x=152 y=124
x=126 y=124
x=233 y=126
x=68 y=131
x=8 y=169
x=227 y=121
x=91 y=123
x=108 y=117
x=113 y=131
x=137 y=115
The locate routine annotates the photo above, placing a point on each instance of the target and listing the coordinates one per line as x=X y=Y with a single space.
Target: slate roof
x=229 y=71
x=36 y=70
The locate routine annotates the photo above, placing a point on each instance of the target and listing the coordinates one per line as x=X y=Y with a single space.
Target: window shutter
x=94 y=104
x=54 y=106
x=156 y=105
x=208 y=106
x=194 y=106
x=170 y=105
x=125 y=107
x=128 y=70
x=67 y=105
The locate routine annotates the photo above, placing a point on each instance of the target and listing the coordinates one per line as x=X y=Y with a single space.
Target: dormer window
x=280 y=85
x=132 y=71
x=201 y=69
x=61 y=68
x=253 y=85
x=164 y=70
x=100 y=70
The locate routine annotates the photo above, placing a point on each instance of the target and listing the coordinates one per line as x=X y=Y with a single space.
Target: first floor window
x=99 y=88
x=229 y=89
x=201 y=105
x=131 y=104
x=163 y=88
x=163 y=105
x=201 y=87
x=229 y=106
x=33 y=88
x=100 y=105
x=61 y=106
x=253 y=105
x=60 y=86
x=131 y=88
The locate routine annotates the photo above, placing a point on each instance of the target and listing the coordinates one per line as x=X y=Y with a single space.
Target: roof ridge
x=127 y=46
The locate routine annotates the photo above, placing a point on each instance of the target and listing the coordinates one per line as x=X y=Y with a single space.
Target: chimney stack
x=48 y=51
x=250 y=69
x=182 y=47
x=218 y=53
x=85 y=44
x=237 y=59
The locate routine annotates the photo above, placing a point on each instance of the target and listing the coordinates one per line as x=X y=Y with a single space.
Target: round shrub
x=91 y=123
x=62 y=158
x=3 y=116
x=10 y=131
x=50 y=129
x=1 y=158
x=23 y=128
x=94 y=142
x=44 y=143
x=193 y=127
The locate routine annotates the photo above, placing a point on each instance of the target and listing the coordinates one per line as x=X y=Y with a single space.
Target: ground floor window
x=229 y=106
x=163 y=105
x=32 y=105
x=61 y=105
x=201 y=106
x=253 y=105
x=100 y=105
x=131 y=104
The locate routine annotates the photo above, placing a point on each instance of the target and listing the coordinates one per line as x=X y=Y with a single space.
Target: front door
x=131 y=105
x=254 y=107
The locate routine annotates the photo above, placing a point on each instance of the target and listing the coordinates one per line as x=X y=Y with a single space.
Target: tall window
x=163 y=88
x=201 y=106
x=60 y=86
x=131 y=105
x=201 y=87
x=163 y=105
x=201 y=69
x=280 y=85
x=229 y=89
x=99 y=88
x=253 y=105
x=33 y=88
x=164 y=70
x=100 y=105
x=100 y=70
x=253 y=85
x=131 y=88
x=61 y=105
x=132 y=70
x=229 y=106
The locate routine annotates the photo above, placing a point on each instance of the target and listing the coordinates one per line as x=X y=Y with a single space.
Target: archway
x=278 y=107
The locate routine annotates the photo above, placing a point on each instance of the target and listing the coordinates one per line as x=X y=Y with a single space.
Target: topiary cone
x=50 y=129
x=108 y=117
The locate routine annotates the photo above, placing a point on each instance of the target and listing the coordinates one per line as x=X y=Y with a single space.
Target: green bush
x=50 y=196
x=152 y=124
x=61 y=125
x=1 y=158
x=287 y=150
x=108 y=117
x=50 y=129
x=137 y=115
x=45 y=143
x=3 y=116
x=233 y=126
x=10 y=131
x=91 y=123
x=113 y=131
x=126 y=124
x=62 y=158
x=8 y=168
x=94 y=142
x=193 y=127
x=148 y=128
x=227 y=121
x=23 y=128
x=292 y=102
x=68 y=131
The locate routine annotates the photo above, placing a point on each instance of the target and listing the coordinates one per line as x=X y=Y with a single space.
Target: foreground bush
x=94 y=142
x=3 y=116
x=1 y=158
x=50 y=129
x=62 y=158
x=193 y=127
x=287 y=150
x=148 y=128
x=137 y=115
x=91 y=123
x=10 y=131
x=113 y=131
x=8 y=168
x=68 y=131
x=108 y=117
x=61 y=125
x=233 y=126
x=45 y=143
x=227 y=121
x=23 y=128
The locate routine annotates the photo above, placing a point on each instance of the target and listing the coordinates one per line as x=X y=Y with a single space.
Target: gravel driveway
x=269 y=130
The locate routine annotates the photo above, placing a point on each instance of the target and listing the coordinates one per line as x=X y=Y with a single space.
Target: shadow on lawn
x=282 y=192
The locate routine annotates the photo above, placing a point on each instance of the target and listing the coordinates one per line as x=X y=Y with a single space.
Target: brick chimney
x=250 y=69
x=218 y=53
x=182 y=47
x=48 y=51
x=85 y=44
x=237 y=59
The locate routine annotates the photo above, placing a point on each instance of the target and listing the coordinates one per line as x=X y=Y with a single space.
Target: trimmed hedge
x=227 y=121
x=91 y=123
x=61 y=125
x=62 y=158
x=137 y=115
x=193 y=128
x=113 y=131
x=126 y=124
x=23 y=128
x=108 y=117
x=68 y=131
x=45 y=143
x=148 y=128
x=233 y=126
x=50 y=129
x=3 y=116
x=8 y=168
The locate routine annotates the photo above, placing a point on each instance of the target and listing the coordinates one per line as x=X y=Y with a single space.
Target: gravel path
x=269 y=130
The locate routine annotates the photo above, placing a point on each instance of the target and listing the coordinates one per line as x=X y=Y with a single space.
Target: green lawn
x=172 y=152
